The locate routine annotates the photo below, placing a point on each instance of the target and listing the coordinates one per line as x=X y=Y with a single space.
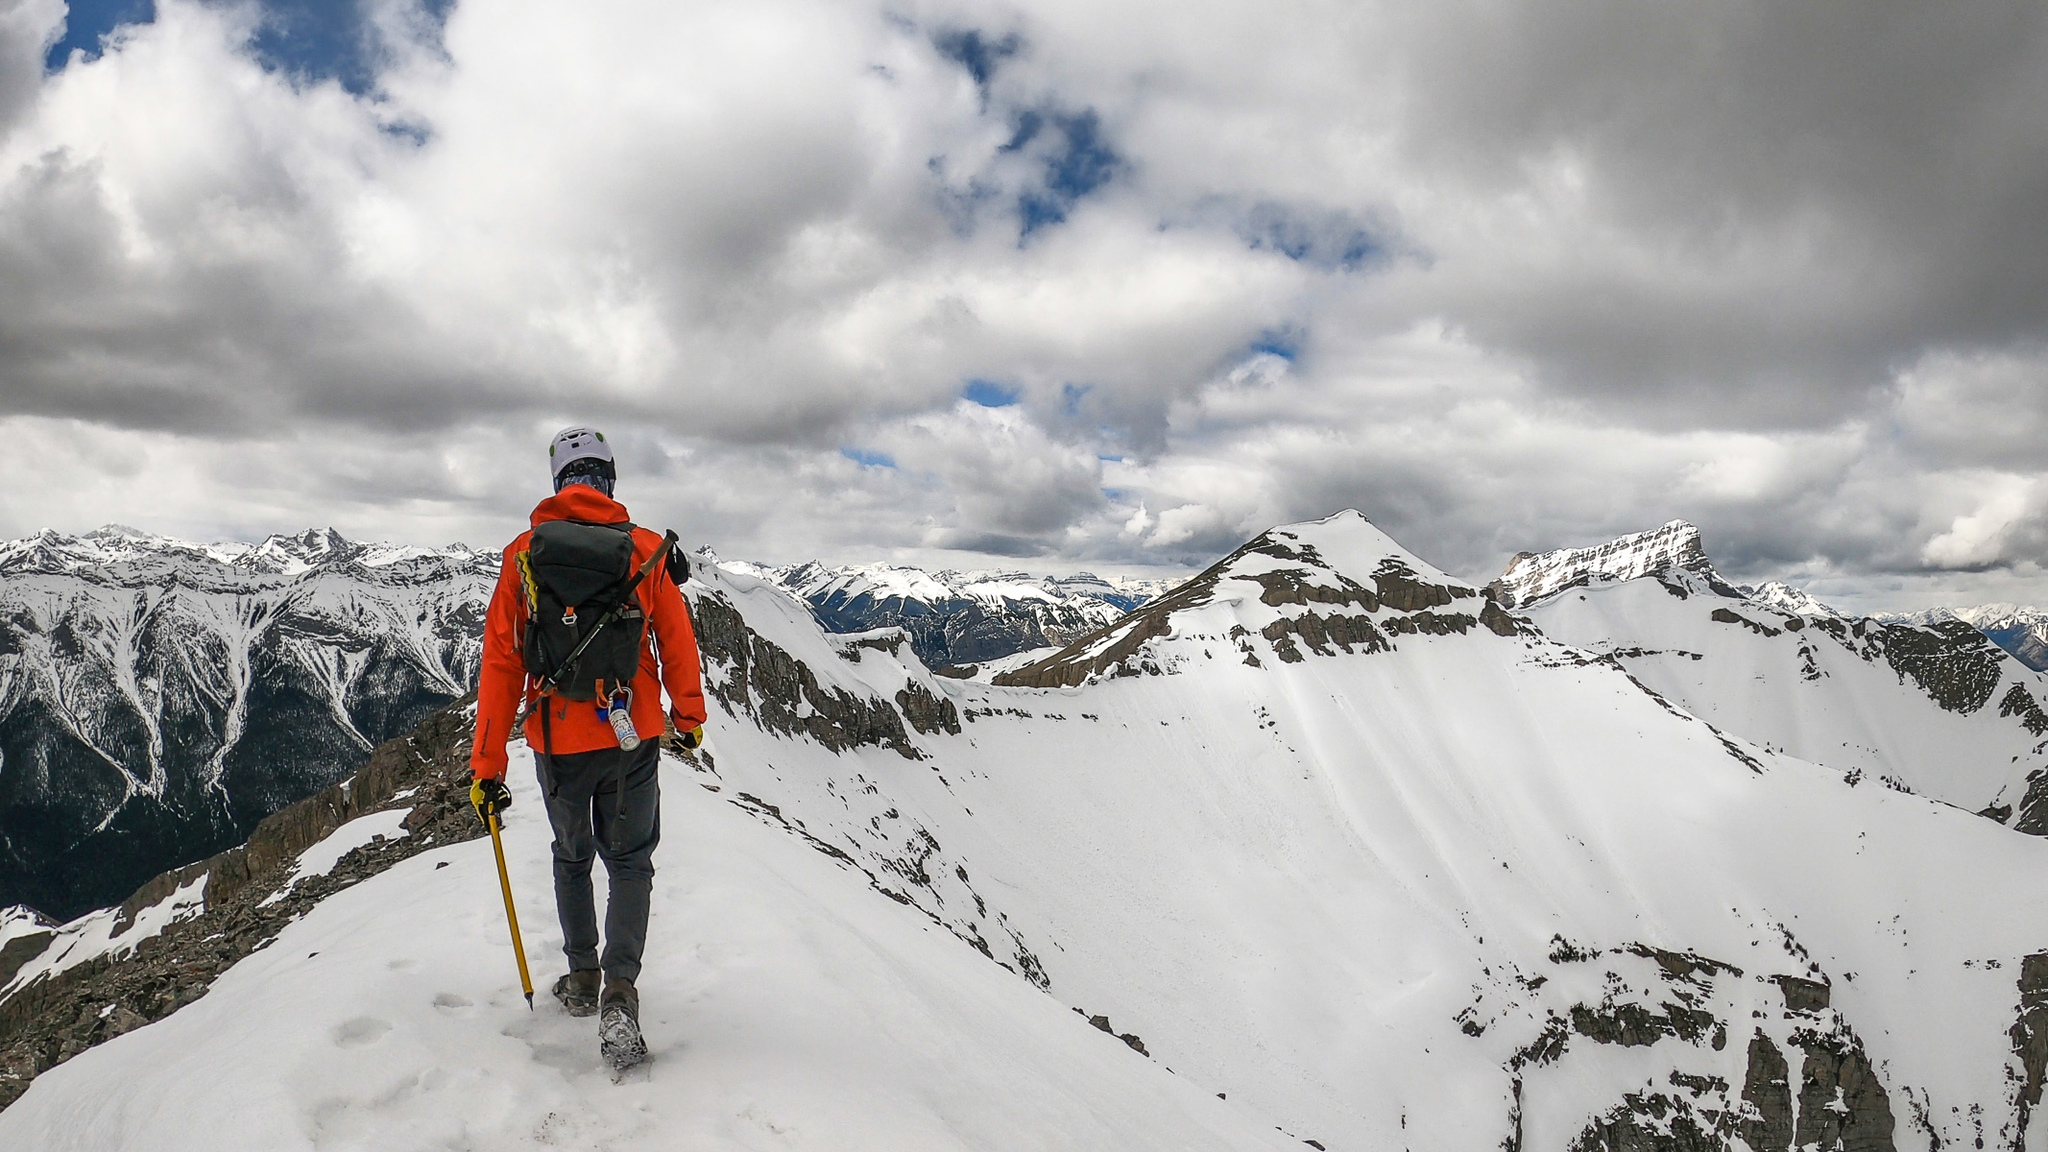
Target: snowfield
x=786 y=1005
x=1361 y=861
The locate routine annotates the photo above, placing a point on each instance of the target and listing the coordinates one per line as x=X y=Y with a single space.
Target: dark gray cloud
x=1502 y=276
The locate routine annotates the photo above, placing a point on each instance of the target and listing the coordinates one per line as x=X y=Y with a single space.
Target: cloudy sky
x=1061 y=284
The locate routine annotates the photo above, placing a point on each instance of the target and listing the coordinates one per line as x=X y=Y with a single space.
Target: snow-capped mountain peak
x=1673 y=548
x=1786 y=598
x=1329 y=585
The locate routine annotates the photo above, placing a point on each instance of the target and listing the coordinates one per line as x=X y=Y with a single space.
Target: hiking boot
x=578 y=992
x=618 y=1025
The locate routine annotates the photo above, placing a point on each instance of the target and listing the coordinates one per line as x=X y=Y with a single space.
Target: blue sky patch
x=990 y=394
x=89 y=20
x=1325 y=239
x=867 y=459
x=1081 y=162
x=1281 y=342
x=309 y=40
x=978 y=54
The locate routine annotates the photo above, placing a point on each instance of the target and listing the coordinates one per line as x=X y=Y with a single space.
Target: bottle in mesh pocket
x=619 y=713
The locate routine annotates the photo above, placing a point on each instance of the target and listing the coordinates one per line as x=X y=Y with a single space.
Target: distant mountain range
x=2020 y=630
x=958 y=620
x=158 y=698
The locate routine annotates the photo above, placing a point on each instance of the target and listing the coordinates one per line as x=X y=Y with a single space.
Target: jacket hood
x=580 y=502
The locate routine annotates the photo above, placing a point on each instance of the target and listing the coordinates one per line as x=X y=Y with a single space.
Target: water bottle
x=620 y=714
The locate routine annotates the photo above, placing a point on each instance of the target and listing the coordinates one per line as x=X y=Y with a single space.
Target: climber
x=585 y=629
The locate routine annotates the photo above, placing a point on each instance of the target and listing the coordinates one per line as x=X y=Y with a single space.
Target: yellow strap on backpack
x=526 y=581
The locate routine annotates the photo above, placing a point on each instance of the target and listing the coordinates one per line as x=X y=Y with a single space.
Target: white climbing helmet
x=573 y=444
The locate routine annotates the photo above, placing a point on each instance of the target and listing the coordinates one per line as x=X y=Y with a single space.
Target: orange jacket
x=576 y=726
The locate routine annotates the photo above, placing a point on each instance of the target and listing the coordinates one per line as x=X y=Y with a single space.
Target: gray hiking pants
x=582 y=792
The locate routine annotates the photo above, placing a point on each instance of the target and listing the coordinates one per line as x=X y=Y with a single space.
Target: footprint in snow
x=563 y=1057
x=361 y=1032
x=452 y=1000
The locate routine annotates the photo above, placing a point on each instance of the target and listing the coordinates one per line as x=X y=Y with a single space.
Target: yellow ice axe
x=511 y=917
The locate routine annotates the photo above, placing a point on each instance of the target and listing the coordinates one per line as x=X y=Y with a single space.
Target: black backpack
x=574 y=574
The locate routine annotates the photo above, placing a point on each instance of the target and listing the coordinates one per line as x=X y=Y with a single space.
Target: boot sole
x=619 y=1040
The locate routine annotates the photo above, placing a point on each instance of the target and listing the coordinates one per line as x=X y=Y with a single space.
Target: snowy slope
x=1936 y=708
x=157 y=697
x=1324 y=832
x=789 y=1007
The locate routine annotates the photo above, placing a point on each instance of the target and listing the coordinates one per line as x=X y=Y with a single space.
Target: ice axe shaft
x=511 y=916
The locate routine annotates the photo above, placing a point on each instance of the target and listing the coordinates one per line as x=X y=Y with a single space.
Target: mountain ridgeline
x=158 y=698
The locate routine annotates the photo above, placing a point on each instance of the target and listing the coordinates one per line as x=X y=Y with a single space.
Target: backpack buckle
x=569 y=616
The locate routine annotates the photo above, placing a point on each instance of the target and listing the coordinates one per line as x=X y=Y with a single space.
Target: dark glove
x=490 y=796
x=678 y=564
x=691 y=740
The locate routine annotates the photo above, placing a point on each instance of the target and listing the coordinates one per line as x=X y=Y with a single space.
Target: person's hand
x=692 y=739
x=490 y=796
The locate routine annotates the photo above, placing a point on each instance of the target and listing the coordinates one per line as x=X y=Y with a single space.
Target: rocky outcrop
x=53 y=1018
x=1952 y=662
x=1806 y=1080
x=752 y=676
x=2030 y=1045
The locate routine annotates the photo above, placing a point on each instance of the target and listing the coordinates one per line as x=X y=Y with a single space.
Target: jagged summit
x=1675 y=547
x=1338 y=583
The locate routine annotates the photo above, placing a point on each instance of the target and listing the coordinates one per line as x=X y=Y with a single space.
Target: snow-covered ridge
x=1925 y=703
x=1533 y=576
x=1314 y=588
